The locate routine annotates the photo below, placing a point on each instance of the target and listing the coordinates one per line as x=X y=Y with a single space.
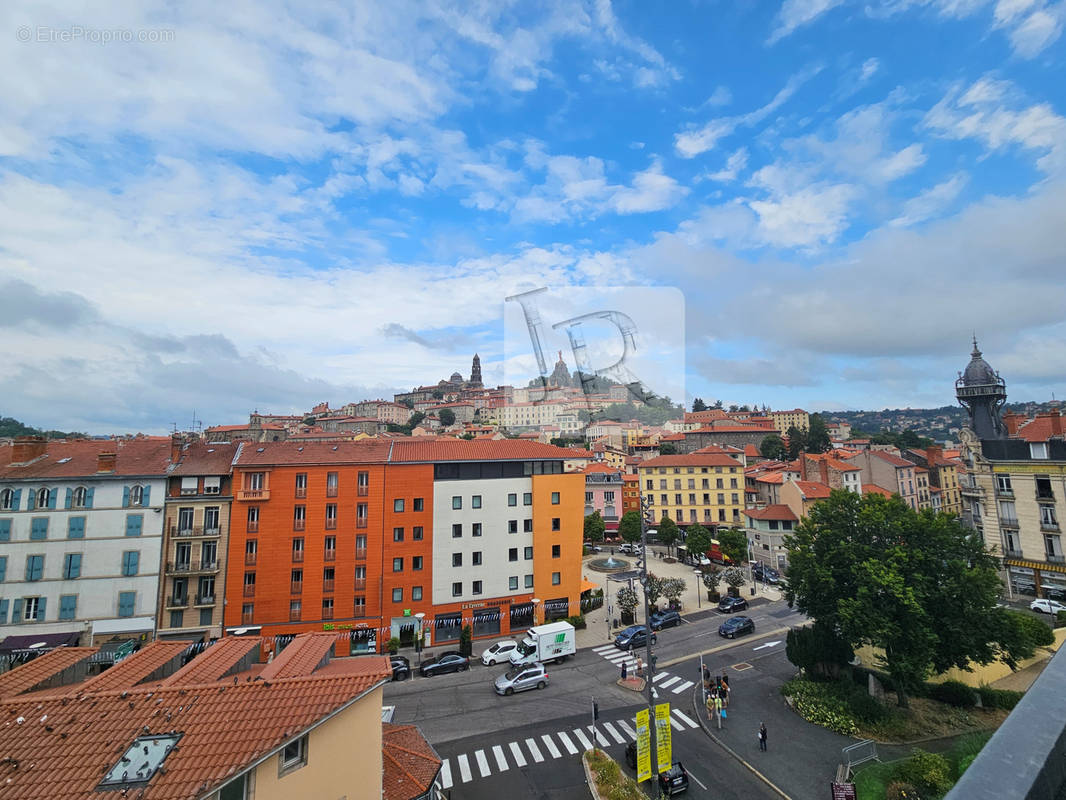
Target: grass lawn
x=873 y=779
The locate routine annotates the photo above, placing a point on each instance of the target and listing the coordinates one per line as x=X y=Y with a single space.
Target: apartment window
x=476 y=588
x=556 y=524
x=211 y=520
x=416 y=563
x=705 y=484
x=512 y=526
x=137 y=496
x=528 y=553
x=68 y=606
x=555 y=498
x=363 y=484
x=34 y=567
x=721 y=515
x=397 y=595
x=608 y=497
x=131 y=560
x=721 y=498
x=33 y=609
x=677 y=483
x=692 y=499
x=126 y=603
x=295 y=610
x=734 y=498
x=475 y=501
x=416 y=593
x=360 y=515
x=247 y=613
x=457 y=502
x=299 y=516
x=512 y=499
x=527 y=525
x=733 y=483
x=213 y=485
x=8 y=502
x=1047 y=516
x=512 y=554
x=475 y=529
x=397 y=565
x=476 y=557
x=457 y=531
x=1038 y=450
x=298 y=549
x=664 y=499
x=360 y=607
x=588 y=498
x=39 y=528
x=331 y=484
x=253 y=519
x=328 y=579
x=79 y=497
x=1052 y=547
x=327 y=608
x=557 y=578
x=719 y=483
x=397 y=534
x=360 y=546
x=457 y=559
x=1043 y=488
x=254 y=481
x=527 y=498
x=662 y=484
x=3 y=577
x=457 y=589
x=529 y=581
x=301 y=484
x=331 y=516
x=72 y=566
x=416 y=533
x=649 y=484
x=249 y=584
x=251 y=551
x=418 y=504
x=397 y=505
x=556 y=551
x=360 y=577
x=512 y=583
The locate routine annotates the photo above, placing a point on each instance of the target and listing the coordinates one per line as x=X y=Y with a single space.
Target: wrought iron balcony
x=253 y=494
x=184 y=567
x=179 y=601
x=205 y=599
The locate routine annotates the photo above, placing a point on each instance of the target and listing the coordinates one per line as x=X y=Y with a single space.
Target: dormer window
x=213 y=485
x=189 y=484
x=79 y=498
x=136 y=495
x=42 y=498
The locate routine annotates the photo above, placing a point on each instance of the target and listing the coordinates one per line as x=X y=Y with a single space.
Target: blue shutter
x=131 y=560
x=68 y=605
x=5 y=530
x=76 y=528
x=73 y=566
x=31 y=501
x=16 y=610
x=41 y=601
x=133 y=524
x=53 y=496
x=3 y=568
x=3 y=611
x=89 y=498
x=125 y=496
x=126 y=603
x=69 y=501
x=29 y=567
x=16 y=499
x=39 y=528
x=146 y=496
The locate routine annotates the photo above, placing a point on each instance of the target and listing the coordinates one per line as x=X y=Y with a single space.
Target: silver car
x=519 y=679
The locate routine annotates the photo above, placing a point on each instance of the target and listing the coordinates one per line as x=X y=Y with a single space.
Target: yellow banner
x=643 y=746
x=662 y=736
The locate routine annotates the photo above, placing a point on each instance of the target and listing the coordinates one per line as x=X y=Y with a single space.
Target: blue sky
x=266 y=205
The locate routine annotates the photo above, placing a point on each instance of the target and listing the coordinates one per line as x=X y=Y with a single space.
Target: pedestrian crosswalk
x=662 y=680
x=549 y=746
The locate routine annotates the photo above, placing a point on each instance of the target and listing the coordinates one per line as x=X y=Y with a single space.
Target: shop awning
x=588 y=586
x=38 y=642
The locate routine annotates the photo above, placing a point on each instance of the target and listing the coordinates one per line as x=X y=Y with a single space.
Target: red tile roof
x=78 y=459
x=135 y=668
x=200 y=458
x=271 y=453
x=599 y=466
x=302 y=656
x=771 y=512
x=753 y=428
x=776 y=478
x=692 y=460
x=410 y=764
x=751 y=451
x=813 y=490
x=1040 y=428
x=26 y=676
x=895 y=461
x=673 y=437
x=475 y=450
x=217 y=661
x=873 y=488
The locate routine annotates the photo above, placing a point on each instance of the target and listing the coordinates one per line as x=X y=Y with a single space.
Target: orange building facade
x=397 y=538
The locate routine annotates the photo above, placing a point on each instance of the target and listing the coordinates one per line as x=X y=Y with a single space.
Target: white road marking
x=670 y=682
x=552 y=749
x=683 y=686
x=677 y=726
x=482 y=763
x=464 y=768
x=516 y=751
x=600 y=737
x=566 y=742
x=501 y=762
x=603 y=648
x=768 y=644
x=687 y=720
x=446 y=775
x=659 y=676
x=632 y=733
x=617 y=736
x=580 y=734
x=698 y=781
x=534 y=751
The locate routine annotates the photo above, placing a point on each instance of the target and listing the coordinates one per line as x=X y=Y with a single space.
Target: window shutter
x=126 y=604
x=17 y=499
x=40 y=608
x=89 y=498
x=3 y=611
x=53 y=496
x=31 y=501
x=133 y=524
x=5 y=530
x=76 y=528
x=75 y=565
x=135 y=561
x=69 y=501
x=125 y=496
x=3 y=568
x=146 y=496
x=16 y=610
x=29 y=568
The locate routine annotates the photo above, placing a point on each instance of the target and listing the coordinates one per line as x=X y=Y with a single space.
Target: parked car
x=595 y=548
x=401 y=668
x=450 y=661
x=674 y=780
x=766 y=574
x=521 y=678
x=729 y=604
x=499 y=651
x=703 y=561
x=735 y=626
x=633 y=636
x=1045 y=606
x=664 y=619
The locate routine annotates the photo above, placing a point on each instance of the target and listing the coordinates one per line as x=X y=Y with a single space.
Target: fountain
x=609 y=564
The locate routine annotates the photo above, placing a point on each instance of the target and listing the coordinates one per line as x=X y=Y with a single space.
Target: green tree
x=698 y=405
x=309 y=420
x=698 y=540
x=773 y=446
x=917 y=585
x=734 y=576
x=653 y=588
x=668 y=532
x=594 y=527
x=416 y=419
x=629 y=526
x=711 y=579
x=673 y=588
x=818 y=435
x=627 y=600
x=734 y=543
x=446 y=417
x=817 y=650
x=797 y=441
x=667 y=449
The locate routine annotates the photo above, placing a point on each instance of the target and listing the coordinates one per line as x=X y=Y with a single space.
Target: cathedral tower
x=983 y=393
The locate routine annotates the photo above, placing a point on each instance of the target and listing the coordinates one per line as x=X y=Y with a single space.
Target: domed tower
x=475 y=372
x=983 y=393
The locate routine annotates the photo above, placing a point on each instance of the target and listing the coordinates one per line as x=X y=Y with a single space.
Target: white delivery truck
x=552 y=642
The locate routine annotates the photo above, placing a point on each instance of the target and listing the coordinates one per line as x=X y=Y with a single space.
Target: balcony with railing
x=360 y=584
x=195 y=530
x=327 y=613
x=247 y=617
x=298 y=524
x=1055 y=558
x=1045 y=495
x=327 y=585
x=360 y=522
x=301 y=491
x=1049 y=525
x=205 y=599
x=250 y=559
x=331 y=491
x=298 y=556
x=296 y=587
x=294 y=615
x=360 y=553
x=331 y=523
x=1005 y=494
x=178 y=601
x=362 y=490
x=253 y=494
x=330 y=555
x=249 y=590
x=1008 y=522
x=185 y=567
x=1012 y=554
x=253 y=527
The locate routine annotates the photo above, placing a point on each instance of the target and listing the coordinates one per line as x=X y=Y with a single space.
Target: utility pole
x=649 y=687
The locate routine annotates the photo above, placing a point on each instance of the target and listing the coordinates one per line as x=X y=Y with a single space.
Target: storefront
x=487 y=622
x=559 y=608
x=521 y=618
x=363 y=640
x=447 y=628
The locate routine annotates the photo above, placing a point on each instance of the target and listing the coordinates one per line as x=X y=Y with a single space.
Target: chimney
x=175 y=448
x=27 y=448
x=933 y=454
x=105 y=462
x=1012 y=420
x=1056 y=422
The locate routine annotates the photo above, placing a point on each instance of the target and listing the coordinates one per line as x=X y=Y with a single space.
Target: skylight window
x=141 y=761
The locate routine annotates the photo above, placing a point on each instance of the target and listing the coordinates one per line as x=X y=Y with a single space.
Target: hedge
x=954 y=693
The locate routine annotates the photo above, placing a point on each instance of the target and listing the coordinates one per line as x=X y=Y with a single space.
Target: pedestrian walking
x=762 y=736
x=640 y=668
x=624 y=670
x=718 y=710
x=710 y=707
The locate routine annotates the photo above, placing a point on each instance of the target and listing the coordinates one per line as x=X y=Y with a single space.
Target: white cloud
x=869 y=68
x=806 y=217
x=651 y=191
x=721 y=96
x=1037 y=31
x=734 y=165
x=931 y=202
x=796 y=13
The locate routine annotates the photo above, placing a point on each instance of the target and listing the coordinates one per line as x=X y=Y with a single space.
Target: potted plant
x=627 y=604
x=711 y=579
x=393 y=645
x=734 y=576
x=653 y=589
x=673 y=588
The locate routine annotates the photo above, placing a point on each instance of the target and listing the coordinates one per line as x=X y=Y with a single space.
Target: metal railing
x=360 y=522
x=298 y=555
x=205 y=599
x=298 y=524
x=330 y=555
x=331 y=523
x=192 y=566
x=296 y=587
x=249 y=590
x=360 y=553
x=180 y=601
x=301 y=491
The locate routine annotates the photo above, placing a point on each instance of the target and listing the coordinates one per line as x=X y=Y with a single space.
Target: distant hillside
x=938 y=424
x=12 y=427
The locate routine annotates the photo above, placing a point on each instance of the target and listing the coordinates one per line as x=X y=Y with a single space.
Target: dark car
x=766 y=574
x=735 y=626
x=664 y=619
x=674 y=780
x=401 y=668
x=729 y=604
x=633 y=636
x=445 y=662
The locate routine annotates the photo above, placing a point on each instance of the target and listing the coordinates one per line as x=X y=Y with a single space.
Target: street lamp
x=698 y=577
x=535 y=601
x=419 y=641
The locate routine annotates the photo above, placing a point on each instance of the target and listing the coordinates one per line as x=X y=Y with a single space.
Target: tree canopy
x=668 y=532
x=917 y=585
x=629 y=526
x=446 y=417
x=773 y=446
x=698 y=540
x=817 y=436
x=668 y=449
x=698 y=405
x=734 y=543
x=594 y=527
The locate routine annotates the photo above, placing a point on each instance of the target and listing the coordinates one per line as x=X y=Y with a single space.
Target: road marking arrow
x=768 y=644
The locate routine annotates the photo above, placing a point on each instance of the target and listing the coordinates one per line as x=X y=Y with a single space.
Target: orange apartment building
x=392 y=538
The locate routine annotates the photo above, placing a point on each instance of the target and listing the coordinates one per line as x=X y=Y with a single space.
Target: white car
x=499 y=651
x=1047 y=606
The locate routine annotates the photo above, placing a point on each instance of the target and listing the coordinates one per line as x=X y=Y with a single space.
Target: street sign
x=643 y=746
x=843 y=791
x=662 y=736
x=768 y=644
